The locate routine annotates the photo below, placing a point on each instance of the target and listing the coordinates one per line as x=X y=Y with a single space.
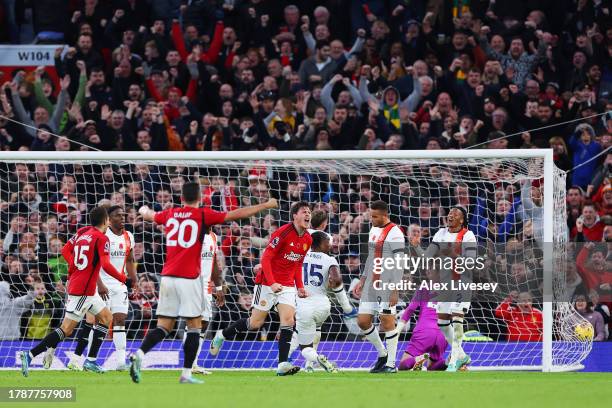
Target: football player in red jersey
x=181 y=293
x=86 y=252
x=277 y=285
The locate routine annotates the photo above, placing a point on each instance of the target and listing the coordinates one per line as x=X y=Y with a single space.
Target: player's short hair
x=295 y=208
x=113 y=208
x=318 y=218
x=379 y=205
x=318 y=237
x=191 y=191
x=98 y=216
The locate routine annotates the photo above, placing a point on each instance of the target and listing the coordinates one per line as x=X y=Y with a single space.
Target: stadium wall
x=255 y=354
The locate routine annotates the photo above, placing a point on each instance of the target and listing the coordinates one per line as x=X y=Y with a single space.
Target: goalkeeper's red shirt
x=283 y=257
x=185 y=228
x=86 y=252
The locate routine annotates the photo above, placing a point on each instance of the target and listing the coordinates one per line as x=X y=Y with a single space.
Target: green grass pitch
x=246 y=389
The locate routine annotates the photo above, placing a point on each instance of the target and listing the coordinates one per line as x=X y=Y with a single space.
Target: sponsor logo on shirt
x=292 y=256
x=207 y=254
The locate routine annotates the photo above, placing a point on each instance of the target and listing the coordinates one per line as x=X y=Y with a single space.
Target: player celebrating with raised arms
x=277 y=284
x=320 y=270
x=455 y=240
x=181 y=293
x=121 y=256
x=86 y=252
x=386 y=240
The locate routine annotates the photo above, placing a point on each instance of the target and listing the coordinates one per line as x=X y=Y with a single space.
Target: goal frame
x=548 y=193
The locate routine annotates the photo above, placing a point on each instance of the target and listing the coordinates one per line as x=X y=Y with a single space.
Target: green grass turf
x=259 y=389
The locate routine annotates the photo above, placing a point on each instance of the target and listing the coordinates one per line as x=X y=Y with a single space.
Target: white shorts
x=207 y=307
x=264 y=299
x=117 y=300
x=373 y=308
x=453 y=307
x=77 y=306
x=179 y=297
x=310 y=314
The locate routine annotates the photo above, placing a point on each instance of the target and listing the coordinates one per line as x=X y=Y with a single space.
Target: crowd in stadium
x=182 y=75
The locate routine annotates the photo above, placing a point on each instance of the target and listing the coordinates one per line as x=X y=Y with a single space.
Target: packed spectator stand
x=148 y=75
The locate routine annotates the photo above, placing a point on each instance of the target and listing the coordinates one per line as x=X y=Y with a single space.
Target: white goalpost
x=515 y=201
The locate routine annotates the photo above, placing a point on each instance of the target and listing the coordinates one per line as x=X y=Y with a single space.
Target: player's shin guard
x=120 y=342
x=343 y=299
x=99 y=334
x=51 y=340
x=284 y=341
x=82 y=338
x=374 y=337
x=153 y=337
x=391 y=339
x=190 y=350
x=446 y=329
x=239 y=326
x=457 y=348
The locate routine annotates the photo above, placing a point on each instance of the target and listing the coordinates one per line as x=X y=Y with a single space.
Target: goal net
x=515 y=205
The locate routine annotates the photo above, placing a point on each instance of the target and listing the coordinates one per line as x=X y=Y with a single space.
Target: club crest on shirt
x=305 y=247
x=121 y=245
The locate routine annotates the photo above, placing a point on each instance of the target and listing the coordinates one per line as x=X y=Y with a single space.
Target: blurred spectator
x=11 y=309
x=585 y=309
x=588 y=226
x=143 y=308
x=45 y=313
x=523 y=321
x=594 y=268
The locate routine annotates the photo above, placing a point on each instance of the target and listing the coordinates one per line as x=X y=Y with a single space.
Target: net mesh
x=44 y=203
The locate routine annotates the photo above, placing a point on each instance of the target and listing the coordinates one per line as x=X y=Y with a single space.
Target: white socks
x=294 y=343
x=446 y=329
x=317 y=339
x=457 y=349
x=391 y=339
x=120 y=341
x=186 y=373
x=373 y=337
x=343 y=299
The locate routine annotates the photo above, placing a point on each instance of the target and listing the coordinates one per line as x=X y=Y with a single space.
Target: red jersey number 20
x=183 y=233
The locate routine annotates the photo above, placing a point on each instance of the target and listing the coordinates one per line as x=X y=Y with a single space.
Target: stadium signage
x=27 y=55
